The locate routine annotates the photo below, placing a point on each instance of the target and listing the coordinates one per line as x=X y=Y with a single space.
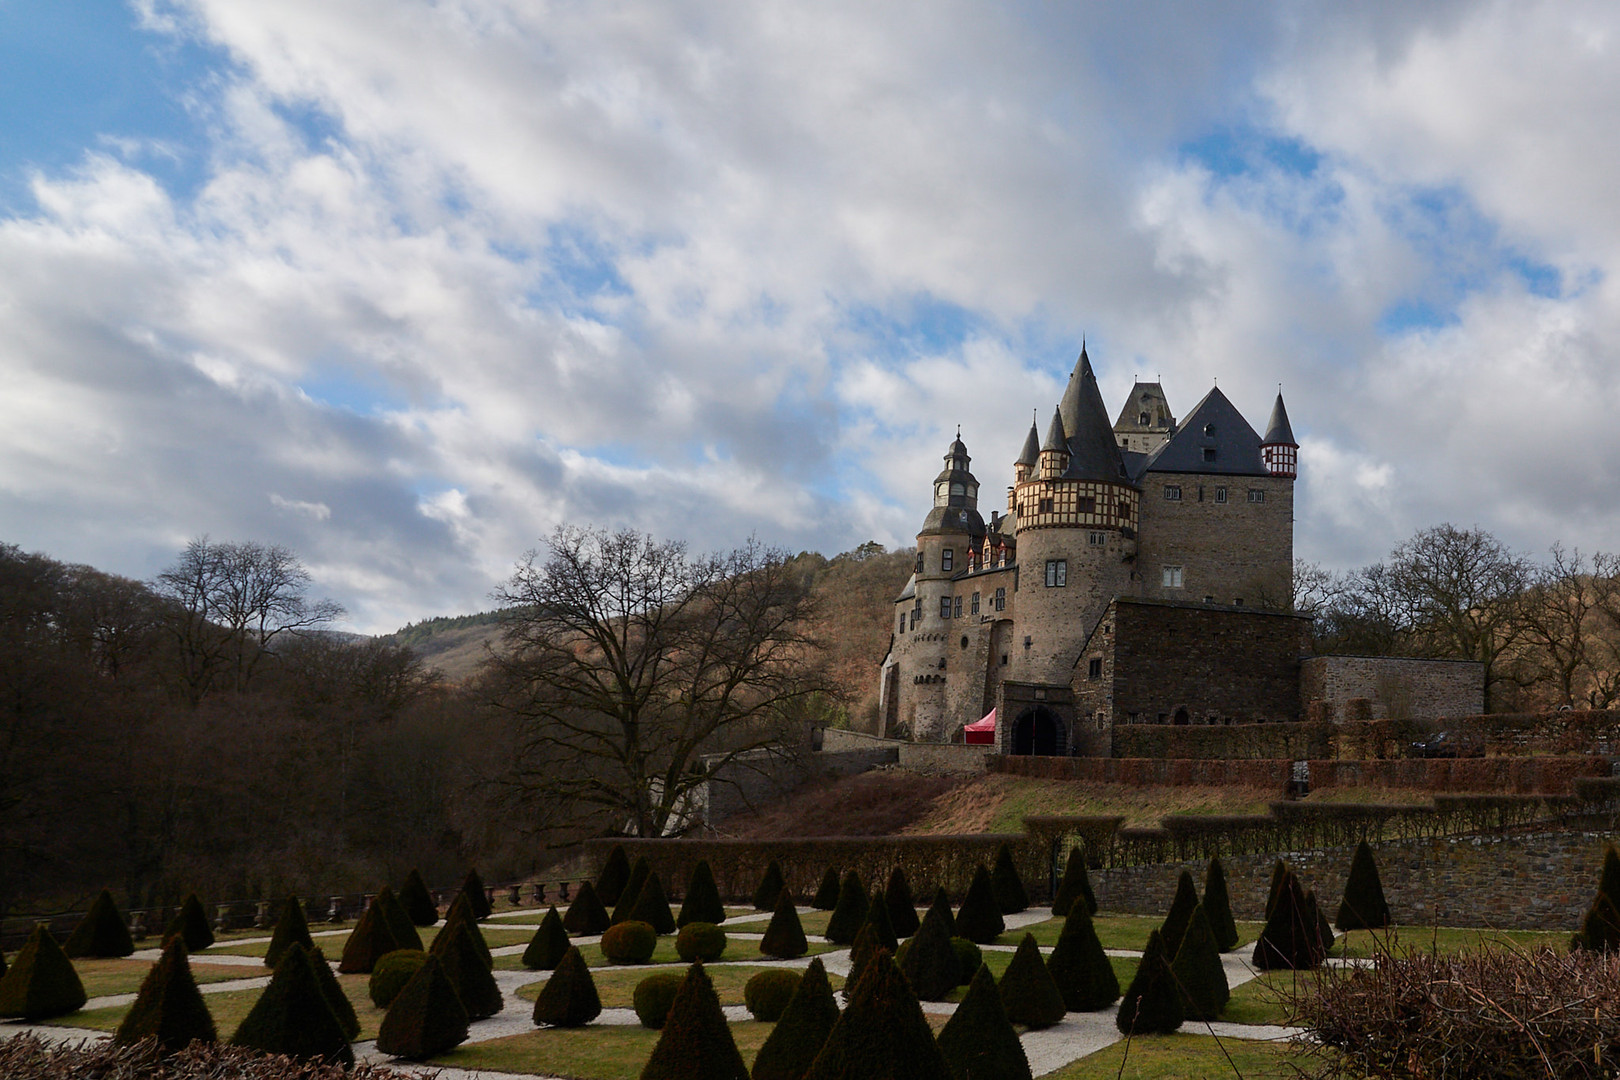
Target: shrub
x=1079 y=966
x=849 y=913
x=293 y=1015
x=461 y=915
x=770 y=884
x=291 y=929
x=968 y=958
x=472 y=887
x=191 y=923
x=978 y=1041
x=1151 y=1005
x=632 y=889
x=696 y=1042
x=784 y=936
x=652 y=907
x=569 y=998
x=1363 y=906
x=586 y=915
x=467 y=969
x=942 y=904
x=1279 y=873
x=418 y=901
x=861 y=953
x=1600 y=929
x=101 y=933
x=398 y=919
x=979 y=918
x=1076 y=883
x=629 y=943
x=1218 y=907
x=614 y=877
x=426 y=1017
x=1609 y=882
x=1199 y=975
x=1324 y=929
x=700 y=941
x=168 y=1006
x=882 y=1033
x=549 y=943
x=391 y=972
x=1181 y=909
x=653 y=997
x=826 y=897
x=1011 y=897
x=1292 y=937
x=801 y=1030
x=342 y=1008
x=41 y=982
x=1029 y=994
x=902 y=908
x=767 y=994
x=930 y=962
x=702 y=902
x=369 y=941
x=877 y=917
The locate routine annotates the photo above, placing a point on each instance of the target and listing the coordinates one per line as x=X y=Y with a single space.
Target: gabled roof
x=1214 y=424
x=1145 y=397
x=1278 y=430
x=1093 y=453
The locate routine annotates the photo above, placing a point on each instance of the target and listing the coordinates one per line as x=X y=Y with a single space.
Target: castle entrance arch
x=1038 y=731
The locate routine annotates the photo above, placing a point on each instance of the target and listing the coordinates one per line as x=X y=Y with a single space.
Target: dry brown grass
x=879 y=803
x=998 y=803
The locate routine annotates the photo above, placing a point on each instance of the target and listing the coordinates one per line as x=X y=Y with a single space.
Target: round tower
x=1278 y=449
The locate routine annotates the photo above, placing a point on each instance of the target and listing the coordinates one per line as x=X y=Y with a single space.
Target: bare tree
x=1563 y=615
x=629 y=660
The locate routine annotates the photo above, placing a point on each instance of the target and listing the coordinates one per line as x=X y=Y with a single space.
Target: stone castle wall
x=1396 y=688
x=1237 y=552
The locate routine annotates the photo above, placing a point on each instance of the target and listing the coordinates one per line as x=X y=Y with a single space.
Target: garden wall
x=947 y=758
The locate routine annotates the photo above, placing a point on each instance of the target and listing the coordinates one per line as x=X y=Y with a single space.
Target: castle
x=1063 y=614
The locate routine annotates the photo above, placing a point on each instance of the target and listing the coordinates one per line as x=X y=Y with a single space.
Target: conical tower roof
x=1093 y=453
x=1031 y=453
x=1056 y=436
x=1278 y=431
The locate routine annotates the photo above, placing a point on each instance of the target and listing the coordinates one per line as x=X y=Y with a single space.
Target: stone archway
x=1038 y=731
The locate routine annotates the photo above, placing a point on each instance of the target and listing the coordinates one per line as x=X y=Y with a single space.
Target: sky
x=403 y=285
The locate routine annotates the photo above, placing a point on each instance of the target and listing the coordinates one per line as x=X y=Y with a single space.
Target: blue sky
x=403 y=285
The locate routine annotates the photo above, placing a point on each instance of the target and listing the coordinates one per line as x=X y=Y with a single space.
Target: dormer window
x=1209 y=453
x=1209 y=431
x=1142 y=419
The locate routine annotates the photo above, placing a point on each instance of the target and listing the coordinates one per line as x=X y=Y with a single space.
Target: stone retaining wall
x=948 y=758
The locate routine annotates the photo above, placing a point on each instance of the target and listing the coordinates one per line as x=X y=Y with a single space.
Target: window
x=919 y=566
x=947 y=559
x=1172 y=577
x=1088 y=504
x=1220 y=494
x=1172 y=492
x=944 y=607
x=1096 y=539
x=1209 y=453
x=914 y=620
x=1094 y=668
x=902 y=628
x=1256 y=495
x=1142 y=419
x=975 y=603
x=1209 y=430
x=1238 y=602
x=1124 y=510
x=1001 y=602
x=956 y=608
x=1045 y=507
x=1057 y=573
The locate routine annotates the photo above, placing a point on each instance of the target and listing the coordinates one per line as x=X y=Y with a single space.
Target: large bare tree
x=630 y=663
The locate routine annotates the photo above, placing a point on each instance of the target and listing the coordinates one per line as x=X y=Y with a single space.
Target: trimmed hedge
x=472 y=887
x=770 y=885
x=398 y=919
x=461 y=914
x=168 y=1007
x=696 y=1042
x=586 y=915
x=700 y=941
x=631 y=892
x=768 y=993
x=1292 y=938
x=41 y=982
x=978 y=1041
x=291 y=929
x=1151 y=1005
x=979 y=918
x=569 y=998
x=1008 y=886
x=861 y=953
x=877 y=917
x=826 y=897
x=191 y=923
x=784 y=936
x=549 y=943
x=849 y=913
x=1076 y=884
x=391 y=974
x=1029 y=994
x=342 y=1008
x=1181 y=909
x=653 y=997
x=1363 y=906
x=942 y=904
x=369 y=941
x=419 y=903
x=293 y=1016
x=882 y=1034
x=802 y=1029
x=652 y=907
x=1079 y=966
x=629 y=943
x=702 y=901
x=101 y=933
x=1218 y=907
x=467 y=969
x=1600 y=928
x=929 y=961
x=614 y=877
x=902 y=908
x=426 y=1017
x=968 y=958
x=1199 y=975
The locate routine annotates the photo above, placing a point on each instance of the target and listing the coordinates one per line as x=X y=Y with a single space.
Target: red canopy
x=981 y=732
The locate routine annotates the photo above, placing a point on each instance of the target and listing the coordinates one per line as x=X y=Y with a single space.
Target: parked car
x=1446 y=744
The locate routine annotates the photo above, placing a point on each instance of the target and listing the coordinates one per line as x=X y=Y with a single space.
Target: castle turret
x=1278 y=449
x=1030 y=457
x=1054 y=459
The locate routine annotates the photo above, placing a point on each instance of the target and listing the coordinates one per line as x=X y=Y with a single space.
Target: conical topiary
x=861 y=953
x=460 y=914
x=1292 y=937
x=472 y=887
x=882 y=1033
x=850 y=911
x=696 y=1039
x=930 y=963
x=1181 y=909
x=342 y=1008
x=826 y=897
x=41 y=982
x=942 y=904
x=293 y=1016
x=291 y=929
x=1218 y=907
x=802 y=1029
x=877 y=917
x=979 y=918
x=426 y=1018
x=1028 y=992
x=1600 y=928
x=101 y=933
x=614 y=877
x=978 y=1041
x=902 y=908
x=1609 y=882
x=1363 y=906
x=1279 y=873
x=370 y=939
x=419 y=904
x=1324 y=929
x=569 y=998
x=770 y=883
x=1076 y=883
x=586 y=915
x=168 y=1006
x=1009 y=887
x=702 y=901
x=1151 y=1005
x=1079 y=966
x=632 y=889
x=652 y=907
x=784 y=936
x=468 y=970
x=398 y=920
x=1200 y=978
x=191 y=923
x=549 y=943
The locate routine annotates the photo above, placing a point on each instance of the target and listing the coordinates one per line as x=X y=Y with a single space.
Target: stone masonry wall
x=1397 y=687
x=1528 y=882
x=1237 y=552
x=939 y=758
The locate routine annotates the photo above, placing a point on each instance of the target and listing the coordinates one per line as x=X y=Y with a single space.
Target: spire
x=1278 y=431
x=1278 y=449
x=1031 y=454
x=1093 y=453
x=1056 y=436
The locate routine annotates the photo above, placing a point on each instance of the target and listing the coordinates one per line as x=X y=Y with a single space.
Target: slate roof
x=1213 y=425
x=1145 y=397
x=1093 y=453
x=1031 y=454
x=1056 y=435
x=1278 y=430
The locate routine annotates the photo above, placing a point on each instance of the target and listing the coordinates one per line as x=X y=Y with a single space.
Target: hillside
x=456 y=645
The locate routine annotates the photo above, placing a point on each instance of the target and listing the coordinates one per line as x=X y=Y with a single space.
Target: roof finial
x=959 y=431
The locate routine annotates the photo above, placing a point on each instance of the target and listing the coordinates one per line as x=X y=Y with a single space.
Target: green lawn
x=589 y=1053
x=1115 y=931
x=105 y=977
x=665 y=954
x=229 y=1007
x=1183 y=1055
x=616 y=987
x=1446 y=940
x=494 y=936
